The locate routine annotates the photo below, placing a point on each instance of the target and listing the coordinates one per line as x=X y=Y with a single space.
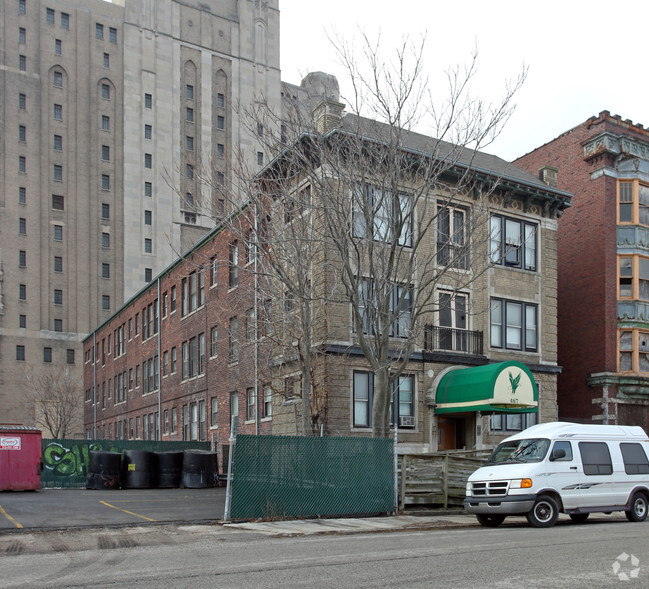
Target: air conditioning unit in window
x=406 y=421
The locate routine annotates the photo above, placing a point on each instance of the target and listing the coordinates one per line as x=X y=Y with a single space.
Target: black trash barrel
x=138 y=469
x=104 y=470
x=200 y=469
x=168 y=469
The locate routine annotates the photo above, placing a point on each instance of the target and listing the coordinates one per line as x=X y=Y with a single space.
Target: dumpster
x=20 y=458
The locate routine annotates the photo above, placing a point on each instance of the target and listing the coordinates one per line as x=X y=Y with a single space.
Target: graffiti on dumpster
x=70 y=460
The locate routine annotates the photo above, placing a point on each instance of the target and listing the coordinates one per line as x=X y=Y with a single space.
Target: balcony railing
x=448 y=339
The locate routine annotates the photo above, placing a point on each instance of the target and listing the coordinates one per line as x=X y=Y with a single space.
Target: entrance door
x=451 y=433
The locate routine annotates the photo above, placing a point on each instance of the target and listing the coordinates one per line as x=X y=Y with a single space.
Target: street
x=514 y=555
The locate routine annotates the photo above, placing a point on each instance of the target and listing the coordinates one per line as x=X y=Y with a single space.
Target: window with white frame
x=513 y=243
x=251 y=404
x=513 y=325
x=214 y=334
x=401 y=300
x=385 y=213
x=214 y=412
x=452 y=249
x=452 y=321
x=267 y=409
x=403 y=400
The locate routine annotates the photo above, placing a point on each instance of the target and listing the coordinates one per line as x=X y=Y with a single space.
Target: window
x=214 y=267
x=22 y=133
x=20 y=353
x=633 y=277
x=147 y=217
x=105 y=211
x=633 y=202
x=251 y=404
x=58 y=202
x=514 y=422
x=105 y=123
x=22 y=35
x=112 y=35
x=148 y=100
x=22 y=164
x=214 y=333
x=148 y=189
x=58 y=296
x=58 y=143
x=22 y=321
x=105 y=270
x=22 y=63
x=172 y=305
x=22 y=259
x=292 y=388
x=193 y=360
x=22 y=195
x=451 y=238
x=65 y=20
x=47 y=355
x=58 y=264
x=189 y=171
x=174 y=360
x=189 y=115
x=69 y=356
x=386 y=214
x=99 y=31
x=148 y=160
x=22 y=6
x=58 y=112
x=250 y=325
x=260 y=158
x=148 y=245
x=58 y=173
x=57 y=46
x=214 y=412
x=105 y=153
x=22 y=101
x=189 y=90
x=105 y=182
x=220 y=100
x=513 y=325
x=234 y=405
x=49 y=16
x=220 y=122
x=105 y=302
x=190 y=143
x=105 y=91
x=58 y=80
x=234 y=265
x=260 y=129
x=633 y=349
x=58 y=232
x=189 y=199
x=400 y=308
x=148 y=274
x=402 y=400
x=233 y=341
x=635 y=459
x=148 y=131
x=513 y=243
x=105 y=239
x=174 y=420
x=596 y=458
x=58 y=325
x=267 y=409
x=452 y=317
x=106 y=60
x=22 y=226
x=220 y=150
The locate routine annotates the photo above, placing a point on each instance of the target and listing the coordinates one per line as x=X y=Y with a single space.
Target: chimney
x=548 y=174
x=324 y=99
x=328 y=115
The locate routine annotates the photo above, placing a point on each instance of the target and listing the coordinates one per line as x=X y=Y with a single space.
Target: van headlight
x=468 y=489
x=521 y=484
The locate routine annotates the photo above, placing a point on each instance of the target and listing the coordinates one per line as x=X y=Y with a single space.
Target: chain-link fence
x=282 y=476
x=65 y=462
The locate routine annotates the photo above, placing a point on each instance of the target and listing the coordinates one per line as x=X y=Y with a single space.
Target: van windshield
x=532 y=450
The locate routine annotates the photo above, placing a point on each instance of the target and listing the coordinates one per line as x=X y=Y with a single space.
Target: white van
x=554 y=468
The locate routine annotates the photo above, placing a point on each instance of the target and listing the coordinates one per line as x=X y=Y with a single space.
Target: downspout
x=256 y=316
x=94 y=384
x=159 y=420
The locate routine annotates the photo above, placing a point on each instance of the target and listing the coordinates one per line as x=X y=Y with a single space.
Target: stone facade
x=106 y=105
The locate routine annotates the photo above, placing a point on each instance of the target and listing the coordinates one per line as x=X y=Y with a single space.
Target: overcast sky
x=584 y=56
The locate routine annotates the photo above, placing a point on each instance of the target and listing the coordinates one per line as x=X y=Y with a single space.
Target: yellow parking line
x=11 y=519
x=124 y=510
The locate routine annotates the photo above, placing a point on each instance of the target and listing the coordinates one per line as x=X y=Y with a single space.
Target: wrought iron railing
x=448 y=339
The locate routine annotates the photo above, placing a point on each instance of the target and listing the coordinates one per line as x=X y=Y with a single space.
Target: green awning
x=506 y=387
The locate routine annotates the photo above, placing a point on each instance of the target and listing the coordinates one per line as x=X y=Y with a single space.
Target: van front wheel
x=545 y=512
x=490 y=521
x=638 y=511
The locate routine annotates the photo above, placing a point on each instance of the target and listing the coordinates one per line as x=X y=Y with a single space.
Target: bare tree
x=57 y=396
x=365 y=214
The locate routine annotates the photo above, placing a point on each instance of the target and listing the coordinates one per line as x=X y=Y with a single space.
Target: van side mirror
x=557 y=454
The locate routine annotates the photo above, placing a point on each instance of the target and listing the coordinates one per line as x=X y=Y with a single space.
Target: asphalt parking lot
x=49 y=509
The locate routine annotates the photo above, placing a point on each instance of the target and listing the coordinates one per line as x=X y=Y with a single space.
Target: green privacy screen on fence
x=281 y=476
x=65 y=462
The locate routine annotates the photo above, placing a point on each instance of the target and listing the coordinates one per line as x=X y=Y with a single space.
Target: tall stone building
x=109 y=113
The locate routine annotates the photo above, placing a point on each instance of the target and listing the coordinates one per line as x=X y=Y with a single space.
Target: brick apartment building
x=603 y=268
x=199 y=344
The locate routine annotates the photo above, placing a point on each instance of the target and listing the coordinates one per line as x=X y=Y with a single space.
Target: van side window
x=596 y=458
x=567 y=446
x=635 y=459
